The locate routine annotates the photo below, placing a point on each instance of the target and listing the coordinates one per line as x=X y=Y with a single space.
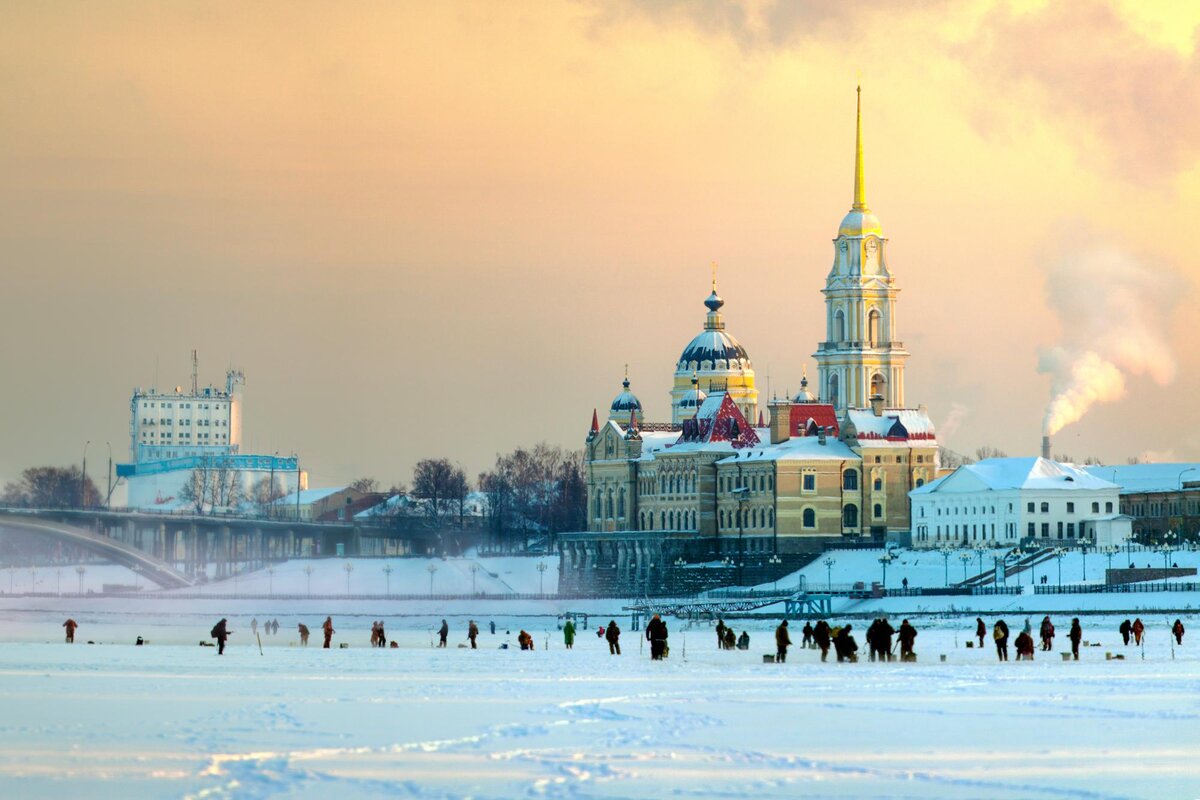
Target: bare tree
x=365 y=485
x=987 y=451
x=51 y=487
x=264 y=493
x=442 y=485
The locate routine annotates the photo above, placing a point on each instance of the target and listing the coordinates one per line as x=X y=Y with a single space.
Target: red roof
x=821 y=414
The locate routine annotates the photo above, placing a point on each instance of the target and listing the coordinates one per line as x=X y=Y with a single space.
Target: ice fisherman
x=71 y=625
x=443 y=632
x=220 y=632
x=327 y=629
x=782 y=640
x=656 y=634
x=613 y=635
x=569 y=634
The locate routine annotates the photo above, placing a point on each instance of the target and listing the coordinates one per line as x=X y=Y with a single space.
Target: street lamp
x=308 y=571
x=741 y=493
x=774 y=560
x=886 y=559
x=1110 y=551
x=1058 y=554
x=83 y=476
x=387 y=573
x=829 y=562
x=432 y=568
x=81 y=570
x=1166 y=548
x=474 y=569
x=980 y=551
x=541 y=568
x=965 y=558
x=1083 y=548
x=349 y=567
x=946 y=550
x=270 y=581
x=236 y=569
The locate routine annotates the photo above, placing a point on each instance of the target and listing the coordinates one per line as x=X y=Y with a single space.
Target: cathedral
x=725 y=483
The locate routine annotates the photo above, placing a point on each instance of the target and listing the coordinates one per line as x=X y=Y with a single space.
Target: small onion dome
x=804 y=395
x=626 y=401
x=714 y=302
x=860 y=223
x=694 y=398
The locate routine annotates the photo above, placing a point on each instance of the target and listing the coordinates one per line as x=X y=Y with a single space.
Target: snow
x=1000 y=474
x=309 y=496
x=173 y=719
x=800 y=448
x=1148 y=477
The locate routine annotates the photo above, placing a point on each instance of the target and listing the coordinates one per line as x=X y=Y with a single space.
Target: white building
x=1003 y=501
x=201 y=422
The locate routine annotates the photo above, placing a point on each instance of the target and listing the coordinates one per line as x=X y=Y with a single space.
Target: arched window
x=877 y=385
x=810 y=518
x=839 y=326
x=621 y=503
x=608 y=504
x=833 y=390
x=878 y=484
x=920 y=481
x=873 y=327
x=878 y=511
x=850 y=481
x=850 y=516
x=598 y=513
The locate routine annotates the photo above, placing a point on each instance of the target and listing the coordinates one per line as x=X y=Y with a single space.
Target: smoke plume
x=1114 y=313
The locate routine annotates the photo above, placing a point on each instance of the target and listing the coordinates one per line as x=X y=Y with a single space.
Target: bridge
x=177 y=550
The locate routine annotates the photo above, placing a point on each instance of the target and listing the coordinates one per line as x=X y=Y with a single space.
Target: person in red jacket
x=1176 y=631
x=328 y=630
x=71 y=625
x=1138 y=630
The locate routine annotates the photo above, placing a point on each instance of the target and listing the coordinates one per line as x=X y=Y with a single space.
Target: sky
x=428 y=230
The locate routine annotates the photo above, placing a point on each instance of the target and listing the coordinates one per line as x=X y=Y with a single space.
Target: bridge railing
x=1119 y=588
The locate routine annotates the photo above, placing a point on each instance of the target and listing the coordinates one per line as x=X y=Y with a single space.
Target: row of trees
x=536 y=491
x=51 y=487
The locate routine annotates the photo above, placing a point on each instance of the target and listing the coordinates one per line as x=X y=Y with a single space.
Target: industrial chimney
x=1046 y=447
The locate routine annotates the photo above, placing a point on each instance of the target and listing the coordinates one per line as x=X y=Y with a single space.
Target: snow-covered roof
x=1000 y=474
x=1148 y=477
x=894 y=424
x=803 y=448
x=309 y=496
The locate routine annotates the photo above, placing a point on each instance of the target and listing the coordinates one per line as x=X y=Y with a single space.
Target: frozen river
x=174 y=720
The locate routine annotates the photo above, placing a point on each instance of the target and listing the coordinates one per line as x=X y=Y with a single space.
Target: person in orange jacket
x=327 y=627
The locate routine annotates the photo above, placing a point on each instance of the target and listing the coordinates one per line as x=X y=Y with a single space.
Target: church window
x=850 y=481
x=608 y=506
x=810 y=518
x=839 y=326
x=621 y=504
x=810 y=482
x=873 y=332
x=878 y=484
x=833 y=391
x=877 y=385
x=920 y=482
x=850 y=516
x=878 y=510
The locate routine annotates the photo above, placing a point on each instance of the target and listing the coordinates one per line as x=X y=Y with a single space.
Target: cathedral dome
x=804 y=395
x=626 y=401
x=860 y=223
x=712 y=346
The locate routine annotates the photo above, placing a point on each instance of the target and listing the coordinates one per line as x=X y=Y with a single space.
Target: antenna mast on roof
x=195 y=373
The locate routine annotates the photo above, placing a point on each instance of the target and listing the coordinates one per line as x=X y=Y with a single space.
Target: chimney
x=877 y=405
x=821 y=435
x=1046 y=447
x=781 y=420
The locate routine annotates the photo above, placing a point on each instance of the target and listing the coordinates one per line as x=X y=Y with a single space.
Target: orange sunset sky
x=441 y=229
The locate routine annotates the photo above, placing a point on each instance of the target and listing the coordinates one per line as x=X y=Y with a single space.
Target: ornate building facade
x=721 y=485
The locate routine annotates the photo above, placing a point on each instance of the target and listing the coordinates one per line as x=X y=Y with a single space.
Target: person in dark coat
x=1024 y=645
x=743 y=642
x=1000 y=634
x=872 y=647
x=845 y=646
x=980 y=630
x=303 y=629
x=274 y=627
x=492 y=627
x=656 y=634
x=782 y=641
x=71 y=625
x=327 y=629
x=472 y=633
x=822 y=638
x=1125 y=629
x=612 y=634
x=908 y=636
x=1176 y=631
x=443 y=632
x=569 y=634
x=720 y=634
x=1076 y=635
x=1047 y=633
x=883 y=639
x=807 y=641
x=221 y=632
x=730 y=638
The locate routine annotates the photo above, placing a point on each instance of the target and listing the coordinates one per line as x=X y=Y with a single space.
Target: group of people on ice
x=269 y=628
x=727 y=640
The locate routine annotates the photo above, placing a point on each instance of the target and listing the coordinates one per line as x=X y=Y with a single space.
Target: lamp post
x=432 y=568
x=1058 y=553
x=740 y=493
x=270 y=581
x=946 y=550
x=83 y=476
x=349 y=567
x=541 y=568
x=829 y=562
x=81 y=570
x=308 y=571
x=965 y=558
x=387 y=576
x=1083 y=548
x=886 y=559
x=1166 y=548
x=774 y=560
x=474 y=569
x=980 y=551
x=108 y=497
x=1109 y=552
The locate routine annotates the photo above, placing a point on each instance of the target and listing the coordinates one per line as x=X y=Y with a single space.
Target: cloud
x=1092 y=68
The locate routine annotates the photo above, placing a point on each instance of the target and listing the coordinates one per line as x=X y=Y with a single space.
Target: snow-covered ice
x=172 y=719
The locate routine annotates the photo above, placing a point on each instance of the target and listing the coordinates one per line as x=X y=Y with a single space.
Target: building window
x=1070 y=508
x=878 y=460
x=1070 y=530
x=878 y=510
x=1107 y=507
x=1029 y=507
x=1045 y=530
x=1032 y=529
x=850 y=484
x=1096 y=508
x=920 y=459
x=878 y=484
x=1045 y=508
x=1060 y=529
x=920 y=482
x=850 y=516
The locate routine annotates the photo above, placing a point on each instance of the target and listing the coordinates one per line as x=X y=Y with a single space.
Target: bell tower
x=860 y=357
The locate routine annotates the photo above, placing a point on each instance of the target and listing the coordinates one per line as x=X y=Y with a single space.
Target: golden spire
x=714 y=276
x=860 y=186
